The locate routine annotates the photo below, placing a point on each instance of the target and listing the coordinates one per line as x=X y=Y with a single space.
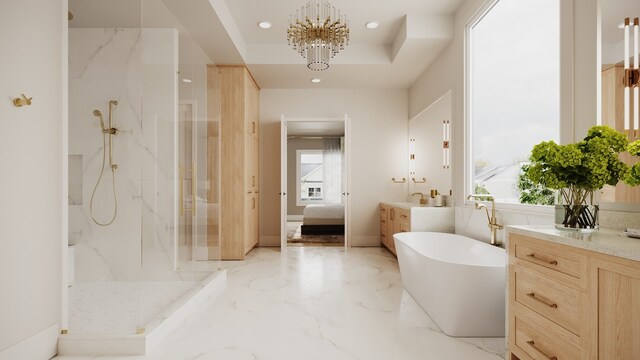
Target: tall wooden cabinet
x=239 y=173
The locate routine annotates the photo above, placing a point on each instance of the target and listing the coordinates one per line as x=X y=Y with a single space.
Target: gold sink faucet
x=493 y=221
x=423 y=201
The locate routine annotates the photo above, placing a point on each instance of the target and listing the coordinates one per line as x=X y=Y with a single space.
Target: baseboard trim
x=269 y=241
x=119 y=345
x=41 y=346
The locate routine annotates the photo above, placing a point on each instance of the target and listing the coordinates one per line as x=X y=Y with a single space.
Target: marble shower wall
x=138 y=68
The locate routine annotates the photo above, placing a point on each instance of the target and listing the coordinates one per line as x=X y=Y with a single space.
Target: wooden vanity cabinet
x=393 y=220
x=569 y=303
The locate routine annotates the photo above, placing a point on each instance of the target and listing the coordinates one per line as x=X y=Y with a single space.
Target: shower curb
x=208 y=290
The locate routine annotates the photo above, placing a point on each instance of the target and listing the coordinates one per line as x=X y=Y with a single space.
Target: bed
x=323 y=219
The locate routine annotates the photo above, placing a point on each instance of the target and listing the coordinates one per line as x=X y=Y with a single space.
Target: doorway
x=314 y=182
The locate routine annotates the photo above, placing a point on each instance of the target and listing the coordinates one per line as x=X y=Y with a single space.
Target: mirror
x=613 y=13
x=429 y=157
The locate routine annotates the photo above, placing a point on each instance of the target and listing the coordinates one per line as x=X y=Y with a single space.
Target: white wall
x=426 y=129
x=579 y=71
x=33 y=43
x=378 y=142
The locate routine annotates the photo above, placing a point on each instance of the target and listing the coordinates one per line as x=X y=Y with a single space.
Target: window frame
x=565 y=123
x=299 y=201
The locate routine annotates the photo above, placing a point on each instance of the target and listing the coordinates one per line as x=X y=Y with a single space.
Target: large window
x=309 y=176
x=513 y=91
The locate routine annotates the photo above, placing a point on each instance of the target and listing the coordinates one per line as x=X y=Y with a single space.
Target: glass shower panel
x=179 y=213
x=105 y=143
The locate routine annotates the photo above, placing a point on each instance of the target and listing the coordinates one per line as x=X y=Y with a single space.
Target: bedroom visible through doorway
x=315 y=172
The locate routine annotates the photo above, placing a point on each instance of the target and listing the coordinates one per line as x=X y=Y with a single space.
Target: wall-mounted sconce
x=446 y=143
x=631 y=79
x=404 y=180
x=20 y=102
x=412 y=156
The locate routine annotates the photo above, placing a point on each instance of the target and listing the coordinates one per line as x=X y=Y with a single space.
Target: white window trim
x=299 y=152
x=566 y=124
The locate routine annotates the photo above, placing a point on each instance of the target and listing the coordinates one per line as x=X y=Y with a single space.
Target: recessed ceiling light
x=188 y=81
x=316 y=80
x=264 y=24
x=372 y=25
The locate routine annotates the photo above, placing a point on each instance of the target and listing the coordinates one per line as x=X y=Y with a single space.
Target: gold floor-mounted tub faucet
x=493 y=221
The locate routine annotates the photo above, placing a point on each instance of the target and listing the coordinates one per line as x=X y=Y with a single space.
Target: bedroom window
x=309 y=171
x=513 y=85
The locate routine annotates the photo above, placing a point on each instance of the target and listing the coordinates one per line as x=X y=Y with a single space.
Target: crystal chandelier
x=318 y=32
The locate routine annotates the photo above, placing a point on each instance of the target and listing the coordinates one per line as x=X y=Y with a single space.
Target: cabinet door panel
x=618 y=312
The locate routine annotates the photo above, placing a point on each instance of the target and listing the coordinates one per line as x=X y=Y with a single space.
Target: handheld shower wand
x=111 y=131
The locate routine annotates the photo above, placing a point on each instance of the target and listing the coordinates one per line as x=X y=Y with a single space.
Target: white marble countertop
x=410 y=205
x=605 y=241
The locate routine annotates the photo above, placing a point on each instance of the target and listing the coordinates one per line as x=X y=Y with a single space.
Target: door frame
x=346 y=176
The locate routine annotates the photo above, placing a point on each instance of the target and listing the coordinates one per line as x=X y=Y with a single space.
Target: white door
x=33 y=177
x=346 y=181
x=283 y=184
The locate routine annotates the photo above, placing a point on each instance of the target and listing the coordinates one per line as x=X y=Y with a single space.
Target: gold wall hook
x=404 y=180
x=424 y=180
x=18 y=102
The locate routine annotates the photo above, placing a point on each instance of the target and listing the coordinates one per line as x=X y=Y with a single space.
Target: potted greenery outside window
x=579 y=170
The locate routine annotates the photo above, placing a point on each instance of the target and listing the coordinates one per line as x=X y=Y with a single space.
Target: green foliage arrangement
x=579 y=169
x=532 y=193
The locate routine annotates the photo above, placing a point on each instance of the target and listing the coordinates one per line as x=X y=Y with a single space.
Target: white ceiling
x=612 y=14
x=412 y=33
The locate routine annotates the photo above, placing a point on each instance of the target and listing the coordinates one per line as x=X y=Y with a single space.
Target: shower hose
x=113 y=183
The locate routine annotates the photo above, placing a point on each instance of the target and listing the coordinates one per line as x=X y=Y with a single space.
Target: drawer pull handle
x=533 y=345
x=533 y=296
x=383 y=221
x=550 y=262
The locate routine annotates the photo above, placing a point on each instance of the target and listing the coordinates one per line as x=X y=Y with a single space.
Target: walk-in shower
x=107 y=132
x=131 y=114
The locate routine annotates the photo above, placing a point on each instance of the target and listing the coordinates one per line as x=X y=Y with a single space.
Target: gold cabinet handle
x=194 y=199
x=253 y=127
x=403 y=216
x=534 y=297
x=533 y=345
x=392 y=214
x=253 y=180
x=424 y=180
x=253 y=205
x=542 y=260
x=404 y=180
x=383 y=221
x=181 y=190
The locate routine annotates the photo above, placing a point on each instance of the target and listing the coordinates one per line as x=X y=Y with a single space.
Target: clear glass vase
x=576 y=209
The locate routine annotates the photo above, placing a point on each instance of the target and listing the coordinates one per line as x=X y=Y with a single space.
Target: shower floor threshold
x=78 y=344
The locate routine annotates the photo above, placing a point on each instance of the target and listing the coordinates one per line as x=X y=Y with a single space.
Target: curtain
x=332 y=170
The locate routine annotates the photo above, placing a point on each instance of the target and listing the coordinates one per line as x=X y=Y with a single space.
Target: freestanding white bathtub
x=460 y=282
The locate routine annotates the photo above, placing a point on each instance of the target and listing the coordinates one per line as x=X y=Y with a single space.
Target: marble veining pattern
x=315 y=303
x=138 y=69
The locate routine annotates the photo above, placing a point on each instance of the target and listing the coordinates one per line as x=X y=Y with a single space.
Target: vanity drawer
x=542 y=342
x=403 y=215
x=384 y=213
x=551 y=299
x=404 y=226
x=540 y=253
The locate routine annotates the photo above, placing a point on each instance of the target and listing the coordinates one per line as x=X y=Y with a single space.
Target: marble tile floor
x=315 y=303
